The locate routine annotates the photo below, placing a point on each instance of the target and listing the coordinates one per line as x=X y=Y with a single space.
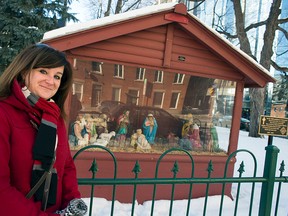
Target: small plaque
x=273 y=126
x=181 y=58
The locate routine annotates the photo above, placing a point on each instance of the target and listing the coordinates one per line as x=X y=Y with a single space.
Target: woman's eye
x=57 y=77
x=43 y=71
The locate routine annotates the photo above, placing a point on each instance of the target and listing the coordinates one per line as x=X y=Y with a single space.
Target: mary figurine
x=150 y=128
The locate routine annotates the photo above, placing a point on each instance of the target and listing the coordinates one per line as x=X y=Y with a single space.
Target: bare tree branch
x=133 y=5
x=118 y=6
x=107 y=13
x=255 y=25
x=227 y=34
x=241 y=33
x=200 y=2
x=281 y=21
x=279 y=68
x=269 y=34
x=283 y=31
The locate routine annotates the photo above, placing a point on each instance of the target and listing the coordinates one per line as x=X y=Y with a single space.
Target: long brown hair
x=38 y=56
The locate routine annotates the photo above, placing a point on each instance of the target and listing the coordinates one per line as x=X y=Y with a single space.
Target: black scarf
x=44 y=117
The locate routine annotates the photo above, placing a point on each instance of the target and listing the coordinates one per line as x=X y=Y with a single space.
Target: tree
x=115 y=6
x=280 y=92
x=240 y=34
x=271 y=23
x=25 y=22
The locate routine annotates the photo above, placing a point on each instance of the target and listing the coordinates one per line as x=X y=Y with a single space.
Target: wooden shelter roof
x=165 y=36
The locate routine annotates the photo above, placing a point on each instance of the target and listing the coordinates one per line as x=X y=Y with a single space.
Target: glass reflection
x=144 y=110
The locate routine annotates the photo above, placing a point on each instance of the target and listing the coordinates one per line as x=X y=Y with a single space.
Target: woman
x=33 y=138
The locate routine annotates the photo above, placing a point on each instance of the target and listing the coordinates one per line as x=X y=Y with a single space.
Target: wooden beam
x=237 y=112
x=168 y=46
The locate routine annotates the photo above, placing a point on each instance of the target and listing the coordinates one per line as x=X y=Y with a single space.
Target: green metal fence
x=268 y=181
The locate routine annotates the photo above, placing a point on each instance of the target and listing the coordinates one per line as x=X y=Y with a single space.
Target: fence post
x=269 y=174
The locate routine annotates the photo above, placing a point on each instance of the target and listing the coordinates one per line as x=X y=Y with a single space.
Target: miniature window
x=96 y=95
x=132 y=96
x=174 y=100
x=178 y=79
x=140 y=74
x=116 y=94
x=75 y=63
x=97 y=67
x=158 y=78
x=119 y=71
x=158 y=99
x=77 y=89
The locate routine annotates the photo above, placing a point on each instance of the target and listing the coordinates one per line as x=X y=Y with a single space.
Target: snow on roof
x=78 y=27
x=106 y=20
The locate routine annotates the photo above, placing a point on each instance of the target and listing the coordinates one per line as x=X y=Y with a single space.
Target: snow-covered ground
x=102 y=207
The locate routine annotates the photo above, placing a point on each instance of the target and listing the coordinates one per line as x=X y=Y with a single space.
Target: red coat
x=17 y=137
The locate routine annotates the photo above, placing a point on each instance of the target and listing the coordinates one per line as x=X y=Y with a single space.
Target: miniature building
x=163 y=61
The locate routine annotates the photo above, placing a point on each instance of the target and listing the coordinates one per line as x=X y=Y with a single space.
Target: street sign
x=273 y=126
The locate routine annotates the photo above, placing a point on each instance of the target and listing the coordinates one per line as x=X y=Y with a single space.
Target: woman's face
x=44 y=82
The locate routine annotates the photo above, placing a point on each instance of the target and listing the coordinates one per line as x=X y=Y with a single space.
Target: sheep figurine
x=104 y=138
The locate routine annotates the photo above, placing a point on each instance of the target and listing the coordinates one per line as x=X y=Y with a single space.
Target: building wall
x=166 y=48
x=83 y=74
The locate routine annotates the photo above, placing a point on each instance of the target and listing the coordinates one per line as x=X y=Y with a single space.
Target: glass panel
x=185 y=111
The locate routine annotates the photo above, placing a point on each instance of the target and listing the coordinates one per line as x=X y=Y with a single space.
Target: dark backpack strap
x=46 y=176
x=37 y=185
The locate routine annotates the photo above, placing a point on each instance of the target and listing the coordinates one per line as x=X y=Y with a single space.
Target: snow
x=78 y=27
x=256 y=146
